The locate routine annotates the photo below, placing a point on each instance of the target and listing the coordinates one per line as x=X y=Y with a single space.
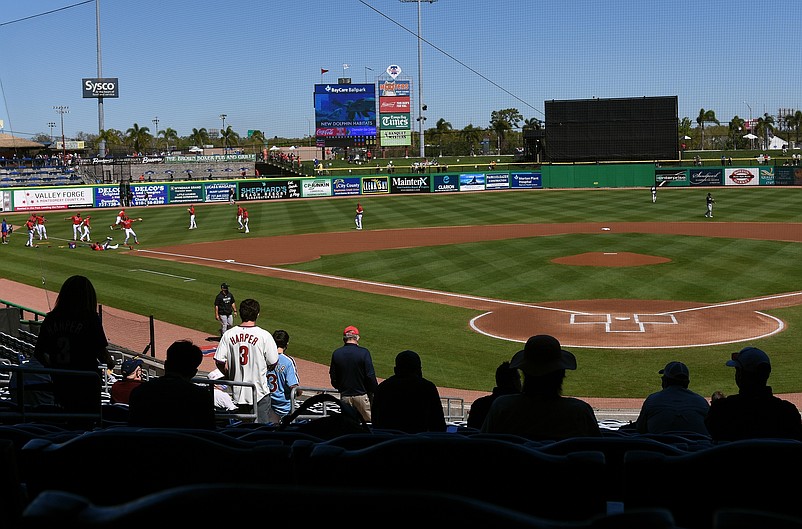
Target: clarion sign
x=100 y=87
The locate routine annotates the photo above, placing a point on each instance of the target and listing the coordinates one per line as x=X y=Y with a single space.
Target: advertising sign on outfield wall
x=144 y=195
x=186 y=193
x=376 y=185
x=526 y=180
x=741 y=176
x=704 y=177
x=446 y=183
x=218 y=191
x=498 y=181
x=345 y=186
x=671 y=177
x=472 y=182
x=787 y=176
x=319 y=187
x=270 y=190
x=53 y=198
x=409 y=184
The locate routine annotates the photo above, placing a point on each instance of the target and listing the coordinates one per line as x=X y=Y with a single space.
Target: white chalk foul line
x=161 y=274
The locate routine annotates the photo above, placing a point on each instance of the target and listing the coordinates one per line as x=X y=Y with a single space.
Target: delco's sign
x=100 y=87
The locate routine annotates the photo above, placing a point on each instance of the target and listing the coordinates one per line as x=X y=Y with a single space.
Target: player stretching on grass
x=119 y=220
x=191 y=210
x=76 y=225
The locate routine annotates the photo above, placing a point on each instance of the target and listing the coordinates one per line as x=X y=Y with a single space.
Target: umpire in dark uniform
x=225 y=308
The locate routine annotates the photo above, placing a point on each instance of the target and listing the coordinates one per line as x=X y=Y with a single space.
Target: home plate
x=230 y=261
x=606 y=228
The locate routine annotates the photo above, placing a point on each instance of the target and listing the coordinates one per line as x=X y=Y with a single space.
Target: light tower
x=52 y=126
x=223 y=130
x=63 y=110
x=421 y=106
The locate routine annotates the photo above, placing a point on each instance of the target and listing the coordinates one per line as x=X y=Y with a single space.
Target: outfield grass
x=701 y=269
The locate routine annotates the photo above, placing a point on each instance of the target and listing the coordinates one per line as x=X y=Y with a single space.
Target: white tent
x=275 y=148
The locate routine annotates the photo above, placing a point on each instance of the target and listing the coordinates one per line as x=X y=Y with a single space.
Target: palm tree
x=764 y=126
x=112 y=137
x=706 y=116
x=532 y=124
x=735 y=129
x=471 y=135
x=441 y=127
x=138 y=137
x=503 y=121
x=257 y=140
x=169 y=135
x=199 y=137
x=795 y=123
x=229 y=137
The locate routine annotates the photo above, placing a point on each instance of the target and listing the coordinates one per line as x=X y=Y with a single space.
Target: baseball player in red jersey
x=129 y=231
x=239 y=216
x=85 y=229
x=245 y=220
x=119 y=220
x=191 y=210
x=358 y=217
x=40 y=226
x=31 y=227
x=76 y=225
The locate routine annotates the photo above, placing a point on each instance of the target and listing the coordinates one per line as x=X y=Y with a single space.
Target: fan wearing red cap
x=540 y=411
x=754 y=412
x=352 y=374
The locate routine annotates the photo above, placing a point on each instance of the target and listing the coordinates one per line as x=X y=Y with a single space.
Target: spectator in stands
x=72 y=337
x=132 y=378
x=352 y=374
x=173 y=400
x=754 y=412
x=281 y=379
x=540 y=411
x=245 y=353
x=508 y=382
x=406 y=401
x=675 y=408
x=222 y=399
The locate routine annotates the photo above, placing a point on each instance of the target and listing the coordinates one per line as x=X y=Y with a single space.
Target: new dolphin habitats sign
x=101 y=87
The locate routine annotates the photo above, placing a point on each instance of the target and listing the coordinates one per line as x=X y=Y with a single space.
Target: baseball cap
x=676 y=371
x=749 y=359
x=351 y=331
x=224 y=286
x=130 y=365
x=541 y=355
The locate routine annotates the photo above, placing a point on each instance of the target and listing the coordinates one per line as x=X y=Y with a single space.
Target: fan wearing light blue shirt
x=282 y=379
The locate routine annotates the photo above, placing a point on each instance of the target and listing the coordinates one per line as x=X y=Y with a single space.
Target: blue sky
x=189 y=61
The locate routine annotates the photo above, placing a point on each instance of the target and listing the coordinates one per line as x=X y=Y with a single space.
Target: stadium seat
x=331 y=507
x=613 y=449
x=147 y=460
x=693 y=486
x=563 y=487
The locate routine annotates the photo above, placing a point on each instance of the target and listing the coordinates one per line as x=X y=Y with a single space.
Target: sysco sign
x=100 y=87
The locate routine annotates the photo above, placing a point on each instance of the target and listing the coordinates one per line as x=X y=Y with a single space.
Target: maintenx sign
x=101 y=87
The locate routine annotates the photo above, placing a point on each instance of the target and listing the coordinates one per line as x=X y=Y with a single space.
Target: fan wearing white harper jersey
x=245 y=353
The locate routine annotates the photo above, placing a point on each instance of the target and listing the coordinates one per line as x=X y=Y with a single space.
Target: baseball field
x=464 y=279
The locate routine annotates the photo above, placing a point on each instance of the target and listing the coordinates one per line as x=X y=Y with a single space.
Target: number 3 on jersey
x=244 y=355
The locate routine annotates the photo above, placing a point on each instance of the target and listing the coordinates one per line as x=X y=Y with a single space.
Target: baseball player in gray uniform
x=225 y=308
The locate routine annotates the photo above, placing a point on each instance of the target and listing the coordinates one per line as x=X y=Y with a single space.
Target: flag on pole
x=345 y=66
x=323 y=70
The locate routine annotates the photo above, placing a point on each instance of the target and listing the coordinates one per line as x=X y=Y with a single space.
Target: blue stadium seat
x=331 y=507
x=693 y=486
x=563 y=487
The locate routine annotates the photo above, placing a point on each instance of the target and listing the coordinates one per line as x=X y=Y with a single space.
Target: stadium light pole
x=223 y=117
x=156 y=130
x=100 y=115
x=52 y=125
x=421 y=106
x=63 y=110
x=751 y=140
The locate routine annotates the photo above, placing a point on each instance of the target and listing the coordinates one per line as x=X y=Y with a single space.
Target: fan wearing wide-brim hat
x=540 y=411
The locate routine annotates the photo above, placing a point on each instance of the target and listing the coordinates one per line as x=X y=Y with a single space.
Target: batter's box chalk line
x=635 y=323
